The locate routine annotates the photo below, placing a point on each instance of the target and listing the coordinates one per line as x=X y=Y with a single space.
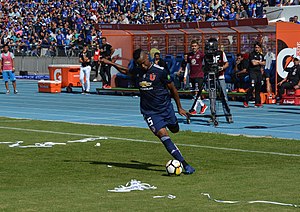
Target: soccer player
x=194 y=67
x=85 y=69
x=156 y=89
x=7 y=67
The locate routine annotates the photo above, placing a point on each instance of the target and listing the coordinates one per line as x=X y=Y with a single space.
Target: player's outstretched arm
x=175 y=96
x=120 y=68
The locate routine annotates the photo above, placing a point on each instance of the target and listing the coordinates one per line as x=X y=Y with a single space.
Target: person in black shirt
x=292 y=80
x=159 y=61
x=256 y=64
x=106 y=52
x=156 y=89
x=240 y=72
x=85 y=69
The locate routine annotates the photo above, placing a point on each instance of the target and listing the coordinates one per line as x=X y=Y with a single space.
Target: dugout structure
x=236 y=36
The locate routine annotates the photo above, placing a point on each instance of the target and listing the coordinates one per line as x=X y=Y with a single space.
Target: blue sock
x=172 y=148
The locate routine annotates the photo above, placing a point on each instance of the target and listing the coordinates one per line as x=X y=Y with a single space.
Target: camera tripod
x=212 y=94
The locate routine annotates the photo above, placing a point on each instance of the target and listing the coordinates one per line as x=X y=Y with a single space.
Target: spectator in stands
x=196 y=76
x=243 y=13
x=240 y=72
x=256 y=64
x=291 y=81
x=179 y=75
x=7 y=67
x=296 y=20
x=106 y=51
x=85 y=69
x=35 y=18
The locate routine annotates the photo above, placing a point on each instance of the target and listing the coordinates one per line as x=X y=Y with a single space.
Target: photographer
x=217 y=57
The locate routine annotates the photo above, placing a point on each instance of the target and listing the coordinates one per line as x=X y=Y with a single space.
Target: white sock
x=200 y=102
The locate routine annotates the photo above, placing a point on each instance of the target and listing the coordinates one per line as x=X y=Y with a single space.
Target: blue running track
x=271 y=120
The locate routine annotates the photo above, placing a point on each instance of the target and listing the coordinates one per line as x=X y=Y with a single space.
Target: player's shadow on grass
x=133 y=165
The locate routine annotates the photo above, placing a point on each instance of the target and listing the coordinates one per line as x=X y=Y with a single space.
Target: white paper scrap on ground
x=84 y=140
x=133 y=185
x=170 y=196
x=250 y=202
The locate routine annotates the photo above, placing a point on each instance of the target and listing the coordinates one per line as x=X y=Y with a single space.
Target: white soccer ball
x=174 y=167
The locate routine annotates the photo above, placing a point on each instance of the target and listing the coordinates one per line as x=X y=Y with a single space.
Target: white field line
x=153 y=142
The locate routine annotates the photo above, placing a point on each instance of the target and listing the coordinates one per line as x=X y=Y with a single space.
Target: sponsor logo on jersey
x=145 y=84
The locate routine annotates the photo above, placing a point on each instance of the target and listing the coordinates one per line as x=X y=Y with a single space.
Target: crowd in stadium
x=28 y=26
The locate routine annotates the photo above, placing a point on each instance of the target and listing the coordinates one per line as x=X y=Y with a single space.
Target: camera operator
x=196 y=76
x=219 y=59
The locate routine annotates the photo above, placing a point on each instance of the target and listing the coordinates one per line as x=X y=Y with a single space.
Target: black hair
x=239 y=54
x=156 y=53
x=137 y=54
x=257 y=44
x=194 y=42
x=296 y=59
x=212 y=40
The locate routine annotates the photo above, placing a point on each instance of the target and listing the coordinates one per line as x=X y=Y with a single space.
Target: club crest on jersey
x=152 y=76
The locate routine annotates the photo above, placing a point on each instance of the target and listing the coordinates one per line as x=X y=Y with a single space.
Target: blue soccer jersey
x=155 y=96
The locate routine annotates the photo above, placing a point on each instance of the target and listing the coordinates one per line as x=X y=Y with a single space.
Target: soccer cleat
x=189 y=169
x=108 y=87
x=104 y=86
x=246 y=104
x=258 y=105
x=193 y=112
x=95 y=80
x=203 y=109
x=7 y=91
x=15 y=91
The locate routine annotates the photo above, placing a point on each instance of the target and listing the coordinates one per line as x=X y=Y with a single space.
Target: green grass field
x=76 y=177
